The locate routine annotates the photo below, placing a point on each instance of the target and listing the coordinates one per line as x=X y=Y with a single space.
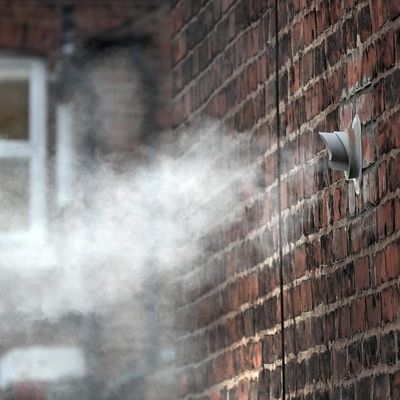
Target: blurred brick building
x=78 y=80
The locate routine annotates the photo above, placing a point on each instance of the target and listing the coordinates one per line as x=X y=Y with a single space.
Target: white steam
x=129 y=224
x=154 y=212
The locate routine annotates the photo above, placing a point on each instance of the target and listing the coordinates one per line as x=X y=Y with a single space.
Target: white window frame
x=33 y=150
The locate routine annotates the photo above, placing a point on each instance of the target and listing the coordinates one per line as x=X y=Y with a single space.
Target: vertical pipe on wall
x=64 y=153
x=279 y=170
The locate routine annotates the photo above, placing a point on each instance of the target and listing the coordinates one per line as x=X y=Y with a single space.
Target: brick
x=393 y=173
x=388 y=348
x=330 y=327
x=378 y=14
x=380 y=266
x=313 y=372
x=299 y=261
x=355 y=201
x=320 y=290
x=244 y=387
x=336 y=393
x=370 y=352
x=307 y=67
x=340 y=203
x=392 y=258
x=276 y=388
x=333 y=47
x=301 y=377
x=228 y=365
x=293 y=302
x=397 y=213
x=285 y=46
x=298 y=39
x=364 y=388
x=309 y=28
x=179 y=48
x=364 y=107
x=248 y=290
x=379 y=102
x=242 y=17
x=382 y=179
x=344 y=278
x=336 y=10
x=361 y=273
x=264 y=384
x=344 y=322
x=349 y=34
x=247 y=359
x=295 y=78
x=322 y=17
x=388 y=137
x=290 y=376
x=393 y=9
x=248 y=322
x=364 y=23
x=355 y=358
x=306 y=296
x=237 y=360
x=392 y=87
x=370 y=187
x=262 y=69
x=339 y=244
x=358 y=317
x=373 y=302
x=272 y=311
x=395 y=385
x=303 y=328
x=282 y=14
x=385 y=218
x=354 y=72
x=368 y=146
x=349 y=392
x=215 y=396
x=335 y=85
x=326 y=249
x=326 y=365
x=234 y=330
x=355 y=237
x=390 y=304
x=257 y=355
x=369 y=68
x=386 y=55
x=346 y=115
x=269 y=353
x=369 y=227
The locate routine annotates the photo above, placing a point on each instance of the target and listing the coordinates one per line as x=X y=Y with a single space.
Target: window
x=22 y=150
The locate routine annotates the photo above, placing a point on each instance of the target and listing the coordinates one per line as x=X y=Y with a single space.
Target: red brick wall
x=340 y=252
x=35 y=25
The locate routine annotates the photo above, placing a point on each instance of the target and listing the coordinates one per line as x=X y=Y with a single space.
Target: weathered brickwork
x=341 y=252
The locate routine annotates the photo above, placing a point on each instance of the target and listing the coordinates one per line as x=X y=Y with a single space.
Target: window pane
x=14 y=194
x=14 y=109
